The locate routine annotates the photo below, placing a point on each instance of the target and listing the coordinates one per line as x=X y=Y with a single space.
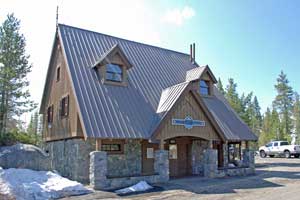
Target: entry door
x=148 y=150
x=180 y=158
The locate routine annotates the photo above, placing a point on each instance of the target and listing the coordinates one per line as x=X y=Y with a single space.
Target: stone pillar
x=225 y=154
x=249 y=160
x=210 y=163
x=98 y=170
x=161 y=165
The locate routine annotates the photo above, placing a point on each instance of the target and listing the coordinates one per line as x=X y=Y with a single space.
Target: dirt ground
x=276 y=178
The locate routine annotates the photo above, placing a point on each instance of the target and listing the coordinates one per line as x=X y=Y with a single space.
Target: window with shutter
x=50 y=114
x=64 y=106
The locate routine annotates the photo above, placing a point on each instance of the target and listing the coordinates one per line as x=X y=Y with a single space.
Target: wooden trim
x=207 y=70
x=114 y=141
x=170 y=112
x=98 y=144
x=55 y=138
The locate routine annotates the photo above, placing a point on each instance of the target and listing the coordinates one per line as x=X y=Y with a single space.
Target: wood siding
x=62 y=127
x=188 y=107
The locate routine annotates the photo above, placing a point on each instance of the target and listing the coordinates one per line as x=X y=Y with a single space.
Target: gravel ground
x=276 y=178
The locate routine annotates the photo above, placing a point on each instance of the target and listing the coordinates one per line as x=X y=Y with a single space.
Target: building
x=146 y=110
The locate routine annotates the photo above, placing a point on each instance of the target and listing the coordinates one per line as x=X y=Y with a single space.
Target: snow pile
x=139 y=187
x=26 y=184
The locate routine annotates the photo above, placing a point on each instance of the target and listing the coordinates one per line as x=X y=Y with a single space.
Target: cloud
x=178 y=16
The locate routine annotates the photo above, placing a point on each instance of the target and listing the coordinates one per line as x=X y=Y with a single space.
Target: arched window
x=114 y=73
x=204 y=87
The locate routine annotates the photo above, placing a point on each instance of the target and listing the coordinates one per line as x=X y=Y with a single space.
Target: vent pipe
x=194 y=48
x=191 y=53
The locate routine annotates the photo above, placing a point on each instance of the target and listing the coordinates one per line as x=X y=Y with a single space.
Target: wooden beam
x=247 y=145
x=210 y=144
x=98 y=144
x=161 y=144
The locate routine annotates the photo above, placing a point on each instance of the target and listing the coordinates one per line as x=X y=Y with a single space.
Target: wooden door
x=148 y=162
x=180 y=165
x=219 y=146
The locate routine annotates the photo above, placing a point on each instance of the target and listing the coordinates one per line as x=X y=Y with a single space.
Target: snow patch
x=26 y=184
x=139 y=187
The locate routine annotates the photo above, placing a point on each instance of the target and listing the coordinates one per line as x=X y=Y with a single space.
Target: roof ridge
x=162 y=48
x=185 y=82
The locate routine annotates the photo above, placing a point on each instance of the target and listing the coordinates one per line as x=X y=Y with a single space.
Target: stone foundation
x=198 y=148
x=127 y=164
x=70 y=158
x=211 y=165
x=100 y=181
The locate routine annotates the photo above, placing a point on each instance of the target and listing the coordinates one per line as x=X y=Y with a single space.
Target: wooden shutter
x=66 y=108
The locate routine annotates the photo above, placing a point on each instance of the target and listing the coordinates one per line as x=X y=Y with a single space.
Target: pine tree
x=220 y=86
x=33 y=126
x=233 y=97
x=14 y=67
x=276 y=126
x=266 y=133
x=283 y=103
x=296 y=115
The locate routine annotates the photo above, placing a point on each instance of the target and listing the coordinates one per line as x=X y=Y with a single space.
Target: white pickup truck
x=279 y=148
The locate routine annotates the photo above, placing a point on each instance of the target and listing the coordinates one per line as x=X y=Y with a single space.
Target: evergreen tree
x=220 y=86
x=246 y=108
x=233 y=97
x=33 y=126
x=276 y=128
x=283 y=103
x=14 y=67
x=266 y=133
x=296 y=115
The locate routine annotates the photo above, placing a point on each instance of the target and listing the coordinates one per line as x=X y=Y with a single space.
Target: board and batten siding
x=188 y=106
x=62 y=127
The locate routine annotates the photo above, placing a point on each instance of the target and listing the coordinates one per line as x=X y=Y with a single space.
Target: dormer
x=112 y=67
x=203 y=80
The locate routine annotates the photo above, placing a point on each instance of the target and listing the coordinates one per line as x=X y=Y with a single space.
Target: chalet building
x=118 y=111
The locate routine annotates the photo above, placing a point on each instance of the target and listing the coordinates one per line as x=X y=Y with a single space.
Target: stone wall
x=100 y=181
x=198 y=147
x=71 y=158
x=127 y=164
x=211 y=165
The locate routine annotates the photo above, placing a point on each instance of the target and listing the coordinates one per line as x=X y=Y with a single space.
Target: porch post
x=161 y=165
x=225 y=153
x=98 y=144
x=98 y=170
x=161 y=144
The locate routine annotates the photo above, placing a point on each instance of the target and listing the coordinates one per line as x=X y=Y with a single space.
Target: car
x=279 y=148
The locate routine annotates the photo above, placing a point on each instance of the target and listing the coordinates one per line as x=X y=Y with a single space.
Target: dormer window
x=204 y=87
x=114 y=73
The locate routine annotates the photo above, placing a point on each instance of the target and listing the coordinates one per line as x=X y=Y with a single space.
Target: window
x=57 y=73
x=50 y=114
x=173 y=151
x=204 y=87
x=114 y=73
x=269 y=145
x=150 y=153
x=111 y=147
x=64 y=106
x=234 y=152
x=284 y=143
x=276 y=144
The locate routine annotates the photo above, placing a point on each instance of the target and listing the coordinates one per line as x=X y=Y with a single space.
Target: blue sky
x=250 y=41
